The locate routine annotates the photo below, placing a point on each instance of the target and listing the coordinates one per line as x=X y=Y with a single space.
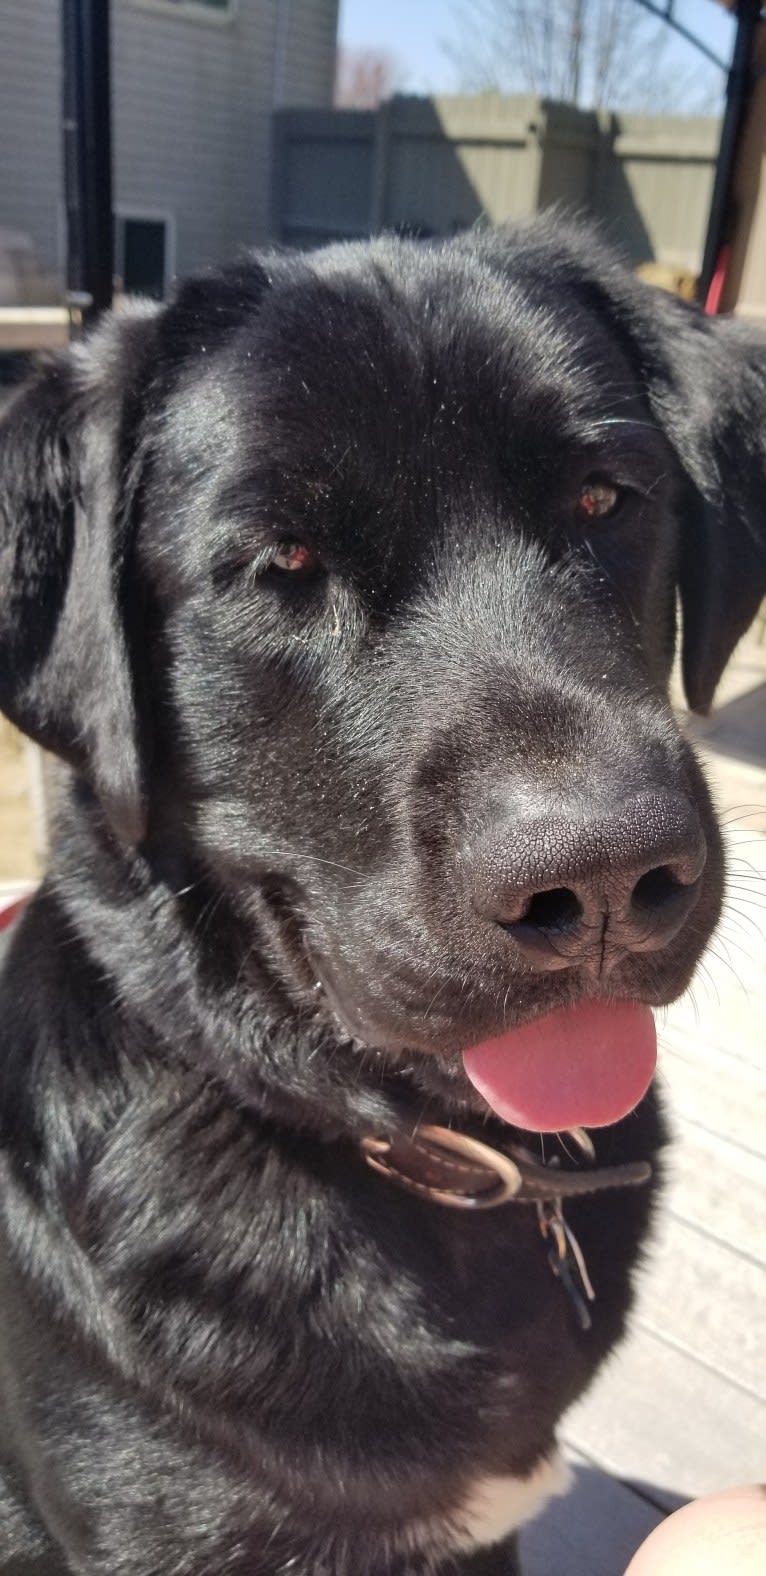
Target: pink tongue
x=585 y=1066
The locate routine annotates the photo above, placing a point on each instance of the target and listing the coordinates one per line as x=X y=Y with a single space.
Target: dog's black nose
x=584 y=886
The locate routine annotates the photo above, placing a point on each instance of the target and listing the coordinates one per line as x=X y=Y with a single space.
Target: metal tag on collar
x=566 y=1259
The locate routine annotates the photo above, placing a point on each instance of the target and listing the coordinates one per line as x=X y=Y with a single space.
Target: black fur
x=228 y=1347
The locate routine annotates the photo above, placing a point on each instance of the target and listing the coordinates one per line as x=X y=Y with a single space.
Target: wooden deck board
x=685 y=1297
x=18 y=859
x=719 y=1094
x=718 y=1187
x=681 y=1408
x=660 y=1417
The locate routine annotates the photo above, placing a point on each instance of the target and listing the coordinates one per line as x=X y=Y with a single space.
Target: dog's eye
x=292 y=558
x=598 y=499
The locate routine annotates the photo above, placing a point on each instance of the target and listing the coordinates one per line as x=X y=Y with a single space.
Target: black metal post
x=87 y=155
x=738 y=87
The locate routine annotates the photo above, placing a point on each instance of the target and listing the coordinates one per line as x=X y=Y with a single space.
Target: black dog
x=346 y=584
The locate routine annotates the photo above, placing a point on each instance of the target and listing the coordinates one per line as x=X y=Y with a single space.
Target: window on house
x=141 y=255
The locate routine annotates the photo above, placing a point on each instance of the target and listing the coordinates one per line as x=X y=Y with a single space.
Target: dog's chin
x=436 y=1083
x=422 y=1068
x=424 y=1085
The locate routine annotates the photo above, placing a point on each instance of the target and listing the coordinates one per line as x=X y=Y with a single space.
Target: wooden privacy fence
x=434 y=166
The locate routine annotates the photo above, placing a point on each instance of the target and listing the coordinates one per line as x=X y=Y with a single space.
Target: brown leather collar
x=451 y=1168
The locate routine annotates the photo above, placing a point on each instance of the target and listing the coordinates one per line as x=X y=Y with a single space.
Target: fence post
x=279 y=135
x=380 y=161
x=536 y=150
x=86 y=131
x=606 y=122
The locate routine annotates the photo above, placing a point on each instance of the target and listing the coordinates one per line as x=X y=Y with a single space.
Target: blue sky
x=412 y=30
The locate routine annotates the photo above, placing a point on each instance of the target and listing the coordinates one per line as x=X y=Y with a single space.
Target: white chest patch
x=495 y=1506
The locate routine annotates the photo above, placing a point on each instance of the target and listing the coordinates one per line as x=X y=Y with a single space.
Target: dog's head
x=347 y=583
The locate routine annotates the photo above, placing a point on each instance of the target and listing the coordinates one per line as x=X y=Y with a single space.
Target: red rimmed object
x=11 y=908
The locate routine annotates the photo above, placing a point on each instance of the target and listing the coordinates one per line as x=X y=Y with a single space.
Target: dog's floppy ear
x=705 y=380
x=72 y=448
x=709 y=391
x=65 y=508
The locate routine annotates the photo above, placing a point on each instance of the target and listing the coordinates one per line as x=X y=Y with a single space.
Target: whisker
x=727 y=963
x=733 y=916
x=300 y=858
x=704 y=971
x=437 y=993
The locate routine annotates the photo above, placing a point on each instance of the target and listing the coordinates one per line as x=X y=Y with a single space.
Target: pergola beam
x=738 y=88
x=86 y=128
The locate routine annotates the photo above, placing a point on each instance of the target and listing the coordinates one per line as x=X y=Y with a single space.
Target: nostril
x=547 y=926
x=659 y=889
x=557 y=910
x=661 y=901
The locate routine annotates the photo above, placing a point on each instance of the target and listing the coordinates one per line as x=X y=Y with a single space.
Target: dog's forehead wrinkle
x=404 y=461
x=429 y=314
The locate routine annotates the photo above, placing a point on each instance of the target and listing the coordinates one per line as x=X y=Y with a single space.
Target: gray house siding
x=308 y=77
x=30 y=117
x=193 y=98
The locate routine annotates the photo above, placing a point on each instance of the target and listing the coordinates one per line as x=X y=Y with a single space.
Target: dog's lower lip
x=450 y=1043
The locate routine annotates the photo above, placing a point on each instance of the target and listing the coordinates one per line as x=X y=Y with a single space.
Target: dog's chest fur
x=418 y=1353
x=442 y=1331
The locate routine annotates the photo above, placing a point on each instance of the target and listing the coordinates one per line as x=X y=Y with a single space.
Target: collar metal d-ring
x=445 y=1166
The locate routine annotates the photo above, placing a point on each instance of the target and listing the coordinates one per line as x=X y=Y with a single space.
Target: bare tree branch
x=594 y=53
x=365 y=78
